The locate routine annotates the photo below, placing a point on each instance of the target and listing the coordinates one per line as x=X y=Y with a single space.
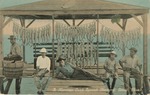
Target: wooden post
x=23 y=25
x=53 y=57
x=145 y=53
x=124 y=22
x=97 y=52
x=1 y=51
x=1 y=39
x=73 y=40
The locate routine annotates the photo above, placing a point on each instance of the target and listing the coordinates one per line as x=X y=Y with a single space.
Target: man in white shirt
x=42 y=71
x=131 y=65
x=111 y=71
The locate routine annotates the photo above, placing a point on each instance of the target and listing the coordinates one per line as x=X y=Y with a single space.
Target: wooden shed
x=77 y=9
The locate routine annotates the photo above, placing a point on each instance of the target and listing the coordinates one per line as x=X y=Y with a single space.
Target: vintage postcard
x=74 y=47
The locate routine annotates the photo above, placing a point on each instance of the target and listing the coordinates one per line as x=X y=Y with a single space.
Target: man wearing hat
x=111 y=71
x=42 y=71
x=15 y=50
x=131 y=65
x=14 y=55
x=71 y=72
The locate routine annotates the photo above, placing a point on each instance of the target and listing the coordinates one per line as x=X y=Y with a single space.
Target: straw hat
x=43 y=50
x=113 y=52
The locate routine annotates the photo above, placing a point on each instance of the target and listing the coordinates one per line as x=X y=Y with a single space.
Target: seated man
x=42 y=71
x=71 y=72
x=131 y=65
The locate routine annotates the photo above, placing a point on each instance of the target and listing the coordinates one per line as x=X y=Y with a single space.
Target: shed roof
x=66 y=9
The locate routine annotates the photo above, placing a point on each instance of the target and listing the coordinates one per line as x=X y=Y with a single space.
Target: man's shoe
x=40 y=93
x=131 y=92
x=127 y=93
x=111 y=93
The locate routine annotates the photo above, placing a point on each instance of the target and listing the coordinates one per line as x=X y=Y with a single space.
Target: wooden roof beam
x=119 y=25
x=80 y=22
x=9 y=20
x=124 y=23
x=30 y=23
x=66 y=22
x=73 y=12
x=139 y=21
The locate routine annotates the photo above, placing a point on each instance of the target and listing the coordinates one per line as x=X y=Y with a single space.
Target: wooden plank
x=73 y=12
x=80 y=22
x=49 y=52
x=100 y=47
x=66 y=86
x=77 y=93
x=1 y=39
x=30 y=23
x=102 y=43
x=50 y=55
x=78 y=84
x=136 y=18
x=42 y=47
x=9 y=20
x=66 y=22
x=53 y=53
x=97 y=45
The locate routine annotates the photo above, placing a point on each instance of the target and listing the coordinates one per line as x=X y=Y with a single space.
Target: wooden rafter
x=9 y=20
x=136 y=18
x=80 y=22
x=30 y=23
x=124 y=23
x=66 y=22
x=120 y=25
x=22 y=22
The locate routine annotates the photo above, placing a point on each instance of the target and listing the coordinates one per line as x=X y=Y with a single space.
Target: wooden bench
x=103 y=49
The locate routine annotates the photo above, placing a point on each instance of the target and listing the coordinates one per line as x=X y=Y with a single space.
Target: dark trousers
x=82 y=75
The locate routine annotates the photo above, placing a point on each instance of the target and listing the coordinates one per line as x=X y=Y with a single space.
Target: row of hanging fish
x=74 y=39
x=28 y=36
x=77 y=33
x=121 y=39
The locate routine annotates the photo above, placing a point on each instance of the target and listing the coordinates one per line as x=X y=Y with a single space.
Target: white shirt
x=43 y=62
x=111 y=64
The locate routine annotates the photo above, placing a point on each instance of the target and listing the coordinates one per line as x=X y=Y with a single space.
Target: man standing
x=42 y=71
x=15 y=50
x=131 y=66
x=15 y=55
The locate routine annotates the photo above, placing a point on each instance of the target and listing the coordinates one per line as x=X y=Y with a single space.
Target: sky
x=145 y=3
